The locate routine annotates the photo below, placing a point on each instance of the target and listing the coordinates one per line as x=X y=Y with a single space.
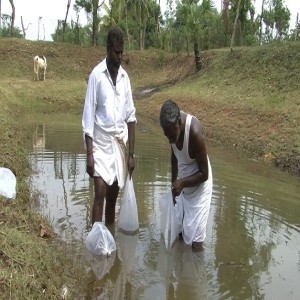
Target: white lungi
x=109 y=156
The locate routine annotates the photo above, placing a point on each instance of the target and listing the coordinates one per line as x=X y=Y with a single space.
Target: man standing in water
x=108 y=122
x=189 y=160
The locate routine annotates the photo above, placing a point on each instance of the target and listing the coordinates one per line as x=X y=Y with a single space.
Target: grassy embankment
x=248 y=99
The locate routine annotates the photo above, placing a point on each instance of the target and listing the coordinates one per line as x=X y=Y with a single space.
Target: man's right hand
x=90 y=164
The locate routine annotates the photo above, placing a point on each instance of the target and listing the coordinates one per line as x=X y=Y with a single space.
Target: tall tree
x=91 y=7
x=13 y=14
x=197 y=20
x=261 y=21
x=296 y=27
x=276 y=19
x=65 y=22
x=23 y=27
x=226 y=20
x=234 y=25
x=141 y=12
x=0 y=19
x=39 y=23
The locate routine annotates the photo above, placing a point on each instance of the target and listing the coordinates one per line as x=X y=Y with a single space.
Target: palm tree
x=196 y=17
x=140 y=8
x=91 y=7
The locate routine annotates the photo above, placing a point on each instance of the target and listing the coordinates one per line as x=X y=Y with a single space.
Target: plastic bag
x=7 y=183
x=128 y=219
x=99 y=240
x=101 y=264
x=169 y=221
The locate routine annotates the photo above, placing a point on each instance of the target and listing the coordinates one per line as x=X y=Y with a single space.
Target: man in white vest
x=191 y=172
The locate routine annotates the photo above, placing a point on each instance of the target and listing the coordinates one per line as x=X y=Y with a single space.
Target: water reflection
x=183 y=271
x=252 y=249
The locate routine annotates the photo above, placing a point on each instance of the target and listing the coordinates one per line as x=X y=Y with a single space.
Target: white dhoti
x=193 y=205
x=109 y=156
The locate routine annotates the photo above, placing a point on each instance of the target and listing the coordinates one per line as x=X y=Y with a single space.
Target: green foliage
x=6 y=24
x=73 y=34
x=183 y=25
x=276 y=19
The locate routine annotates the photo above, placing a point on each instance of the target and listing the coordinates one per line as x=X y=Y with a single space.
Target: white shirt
x=107 y=106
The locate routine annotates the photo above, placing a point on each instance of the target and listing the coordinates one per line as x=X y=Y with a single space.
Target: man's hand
x=130 y=165
x=90 y=164
x=177 y=187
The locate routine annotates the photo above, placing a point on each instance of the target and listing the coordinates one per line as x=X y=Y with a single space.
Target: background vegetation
x=184 y=24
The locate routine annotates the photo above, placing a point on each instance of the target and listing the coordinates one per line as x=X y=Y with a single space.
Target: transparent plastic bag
x=100 y=241
x=169 y=221
x=101 y=264
x=128 y=219
x=8 y=183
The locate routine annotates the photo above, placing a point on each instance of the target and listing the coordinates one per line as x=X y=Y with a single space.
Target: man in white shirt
x=108 y=122
x=191 y=172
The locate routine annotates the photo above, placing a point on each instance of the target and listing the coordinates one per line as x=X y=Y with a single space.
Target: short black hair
x=115 y=34
x=169 y=113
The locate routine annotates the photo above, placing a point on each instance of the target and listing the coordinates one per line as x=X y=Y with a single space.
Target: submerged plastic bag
x=99 y=240
x=7 y=183
x=128 y=219
x=100 y=265
x=169 y=221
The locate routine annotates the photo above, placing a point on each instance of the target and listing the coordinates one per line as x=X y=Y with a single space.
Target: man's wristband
x=88 y=152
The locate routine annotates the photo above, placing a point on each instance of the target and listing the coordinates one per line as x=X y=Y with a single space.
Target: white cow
x=39 y=65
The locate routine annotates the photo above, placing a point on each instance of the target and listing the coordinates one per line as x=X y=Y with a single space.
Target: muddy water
x=252 y=249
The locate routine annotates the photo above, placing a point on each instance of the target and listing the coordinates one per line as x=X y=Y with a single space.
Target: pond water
x=252 y=248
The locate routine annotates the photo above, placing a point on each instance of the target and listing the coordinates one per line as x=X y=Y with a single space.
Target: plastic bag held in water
x=7 y=183
x=128 y=219
x=169 y=221
x=99 y=240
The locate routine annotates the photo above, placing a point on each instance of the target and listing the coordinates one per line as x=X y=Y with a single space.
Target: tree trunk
x=158 y=30
x=225 y=14
x=296 y=27
x=0 y=20
x=126 y=24
x=77 y=38
x=13 y=13
x=57 y=31
x=187 y=45
x=141 y=28
x=241 y=32
x=261 y=18
x=197 y=57
x=234 y=26
x=144 y=34
x=94 y=27
x=65 y=22
x=23 y=28
x=39 y=23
